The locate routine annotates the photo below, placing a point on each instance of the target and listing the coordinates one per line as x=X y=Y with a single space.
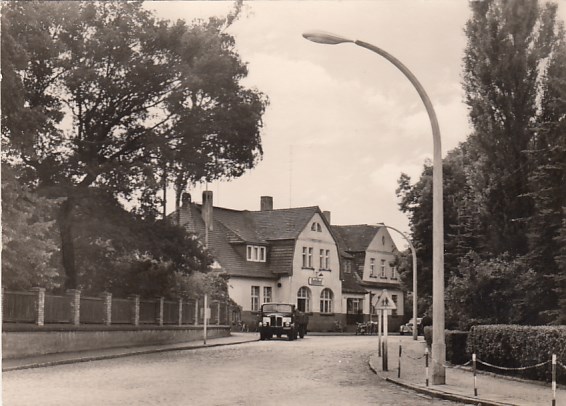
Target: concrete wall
x=16 y=344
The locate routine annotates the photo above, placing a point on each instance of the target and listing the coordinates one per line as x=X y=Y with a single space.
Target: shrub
x=456 y=350
x=515 y=346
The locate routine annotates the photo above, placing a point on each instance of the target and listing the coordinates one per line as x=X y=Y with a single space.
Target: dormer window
x=316 y=227
x=256 y=253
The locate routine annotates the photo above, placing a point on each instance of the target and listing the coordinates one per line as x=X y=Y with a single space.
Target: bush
x=515 y=346
x=456 y=341
x=456 y=351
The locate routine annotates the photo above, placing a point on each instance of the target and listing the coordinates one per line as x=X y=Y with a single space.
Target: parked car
x=408 y=328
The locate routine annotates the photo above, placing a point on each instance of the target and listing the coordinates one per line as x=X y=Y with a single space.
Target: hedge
x=456 y=349
x=514 y=346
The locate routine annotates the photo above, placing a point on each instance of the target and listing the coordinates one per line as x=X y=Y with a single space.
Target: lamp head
x=322 y=37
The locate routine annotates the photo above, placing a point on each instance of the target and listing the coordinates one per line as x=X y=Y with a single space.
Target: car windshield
x=278 y=308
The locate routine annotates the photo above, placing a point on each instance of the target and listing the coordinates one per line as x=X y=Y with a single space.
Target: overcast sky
x=343 y=123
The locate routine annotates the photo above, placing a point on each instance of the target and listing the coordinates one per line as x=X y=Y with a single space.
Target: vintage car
x=408 y=328
x=281 y=319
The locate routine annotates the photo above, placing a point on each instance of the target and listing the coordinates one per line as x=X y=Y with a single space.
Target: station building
x=296 y=256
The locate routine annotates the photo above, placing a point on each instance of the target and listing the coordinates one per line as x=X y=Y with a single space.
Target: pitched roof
x=276 y=229
x=351 y=283
x=356 y=238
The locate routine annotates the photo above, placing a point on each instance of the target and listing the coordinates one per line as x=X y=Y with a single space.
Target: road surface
x=318 y=370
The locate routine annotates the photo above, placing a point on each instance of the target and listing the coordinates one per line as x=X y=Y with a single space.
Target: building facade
x=286 y=255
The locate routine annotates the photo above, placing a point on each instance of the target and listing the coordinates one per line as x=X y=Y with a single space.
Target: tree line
x=505 y=185
x=104 y=105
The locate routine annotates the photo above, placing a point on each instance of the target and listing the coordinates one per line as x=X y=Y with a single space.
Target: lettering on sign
x=315 y=281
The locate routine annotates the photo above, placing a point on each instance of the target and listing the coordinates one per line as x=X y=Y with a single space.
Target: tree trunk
x=67 y=243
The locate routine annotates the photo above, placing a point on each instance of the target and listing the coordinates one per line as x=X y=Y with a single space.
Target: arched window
x=304 y=300
x=326 y=299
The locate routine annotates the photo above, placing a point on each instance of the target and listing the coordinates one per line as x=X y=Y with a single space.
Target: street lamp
x=438 y=345
x=414 y=253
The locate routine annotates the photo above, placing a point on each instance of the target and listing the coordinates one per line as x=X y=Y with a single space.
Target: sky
x=343 y=123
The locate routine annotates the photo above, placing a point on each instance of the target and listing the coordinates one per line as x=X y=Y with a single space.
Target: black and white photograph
x=274 y=202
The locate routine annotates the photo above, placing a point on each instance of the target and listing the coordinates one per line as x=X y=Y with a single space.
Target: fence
x=40 y=308
x=553 y=363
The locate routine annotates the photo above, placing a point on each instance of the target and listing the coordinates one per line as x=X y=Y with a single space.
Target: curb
x=435 y=393
x=118 y=355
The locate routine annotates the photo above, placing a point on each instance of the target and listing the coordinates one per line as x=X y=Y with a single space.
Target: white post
x=385 y=350
x=205 y=315
x=379 y=316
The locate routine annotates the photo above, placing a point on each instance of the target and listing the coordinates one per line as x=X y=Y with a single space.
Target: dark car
x=281 y=319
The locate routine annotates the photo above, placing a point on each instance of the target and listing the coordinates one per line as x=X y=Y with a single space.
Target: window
x=307 y=257
x=393 y=272
x=347 y=266
x=372 y=268
x=267 y=298
x=322 y=260
x=326 y=298
x=304 y=300
x=313 y=227
x=255 y=298
x=316 y=227
x=354 y=305
x=382 y=240
x=255 y=253
x=383 y=269
x=327 y=259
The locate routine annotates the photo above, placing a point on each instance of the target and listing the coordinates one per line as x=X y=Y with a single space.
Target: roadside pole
x=384 y=303
x=385 y=351
x=205 y=314
x=379 y=314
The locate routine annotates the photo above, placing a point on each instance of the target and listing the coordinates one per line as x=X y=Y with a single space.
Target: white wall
x=240 y=290
x=330 y=278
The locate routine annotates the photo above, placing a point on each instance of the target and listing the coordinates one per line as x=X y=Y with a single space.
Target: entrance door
x=354 y=311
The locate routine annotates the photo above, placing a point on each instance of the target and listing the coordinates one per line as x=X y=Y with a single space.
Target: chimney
x=207 y=208
x=266 y=203
x=186 y=199
x=327 y=216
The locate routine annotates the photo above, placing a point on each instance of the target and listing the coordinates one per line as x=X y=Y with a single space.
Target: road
x=318 y=370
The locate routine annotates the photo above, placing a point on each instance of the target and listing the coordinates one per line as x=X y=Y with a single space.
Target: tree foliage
x=480 y=293
x=30 y=249
x=504 y=194
x=104 y=95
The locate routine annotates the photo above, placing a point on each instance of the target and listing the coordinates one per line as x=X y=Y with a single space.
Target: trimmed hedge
x=514 y=346
x=456 y=341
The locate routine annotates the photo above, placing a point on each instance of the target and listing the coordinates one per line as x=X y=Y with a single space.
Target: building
x=284 y=255
x=368 y=258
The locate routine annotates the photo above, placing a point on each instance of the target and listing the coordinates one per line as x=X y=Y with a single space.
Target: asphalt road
x=317 y=370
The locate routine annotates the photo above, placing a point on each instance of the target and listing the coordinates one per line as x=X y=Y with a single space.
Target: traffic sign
x=384 y=302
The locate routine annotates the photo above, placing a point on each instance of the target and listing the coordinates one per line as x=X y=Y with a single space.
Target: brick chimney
x=266 y=203
x=207 y=208
x=327 y=216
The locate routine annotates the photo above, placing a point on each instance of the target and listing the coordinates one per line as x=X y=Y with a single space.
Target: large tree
x=103 y=95
x=508 y=45
x=504 y=186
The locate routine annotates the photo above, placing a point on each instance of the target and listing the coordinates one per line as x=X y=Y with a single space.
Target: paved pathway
x=492 y=389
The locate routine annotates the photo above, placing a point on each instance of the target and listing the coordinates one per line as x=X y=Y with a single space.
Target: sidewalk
x=492 y=389
x=94 y=355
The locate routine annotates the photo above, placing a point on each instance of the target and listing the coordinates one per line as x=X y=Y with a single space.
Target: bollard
x=399 y=368
x=553 y=379
x=426 y=365
x=475 y=379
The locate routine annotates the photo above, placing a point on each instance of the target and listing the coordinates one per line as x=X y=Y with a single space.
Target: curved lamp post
x=414 y=254
x=438 y=345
